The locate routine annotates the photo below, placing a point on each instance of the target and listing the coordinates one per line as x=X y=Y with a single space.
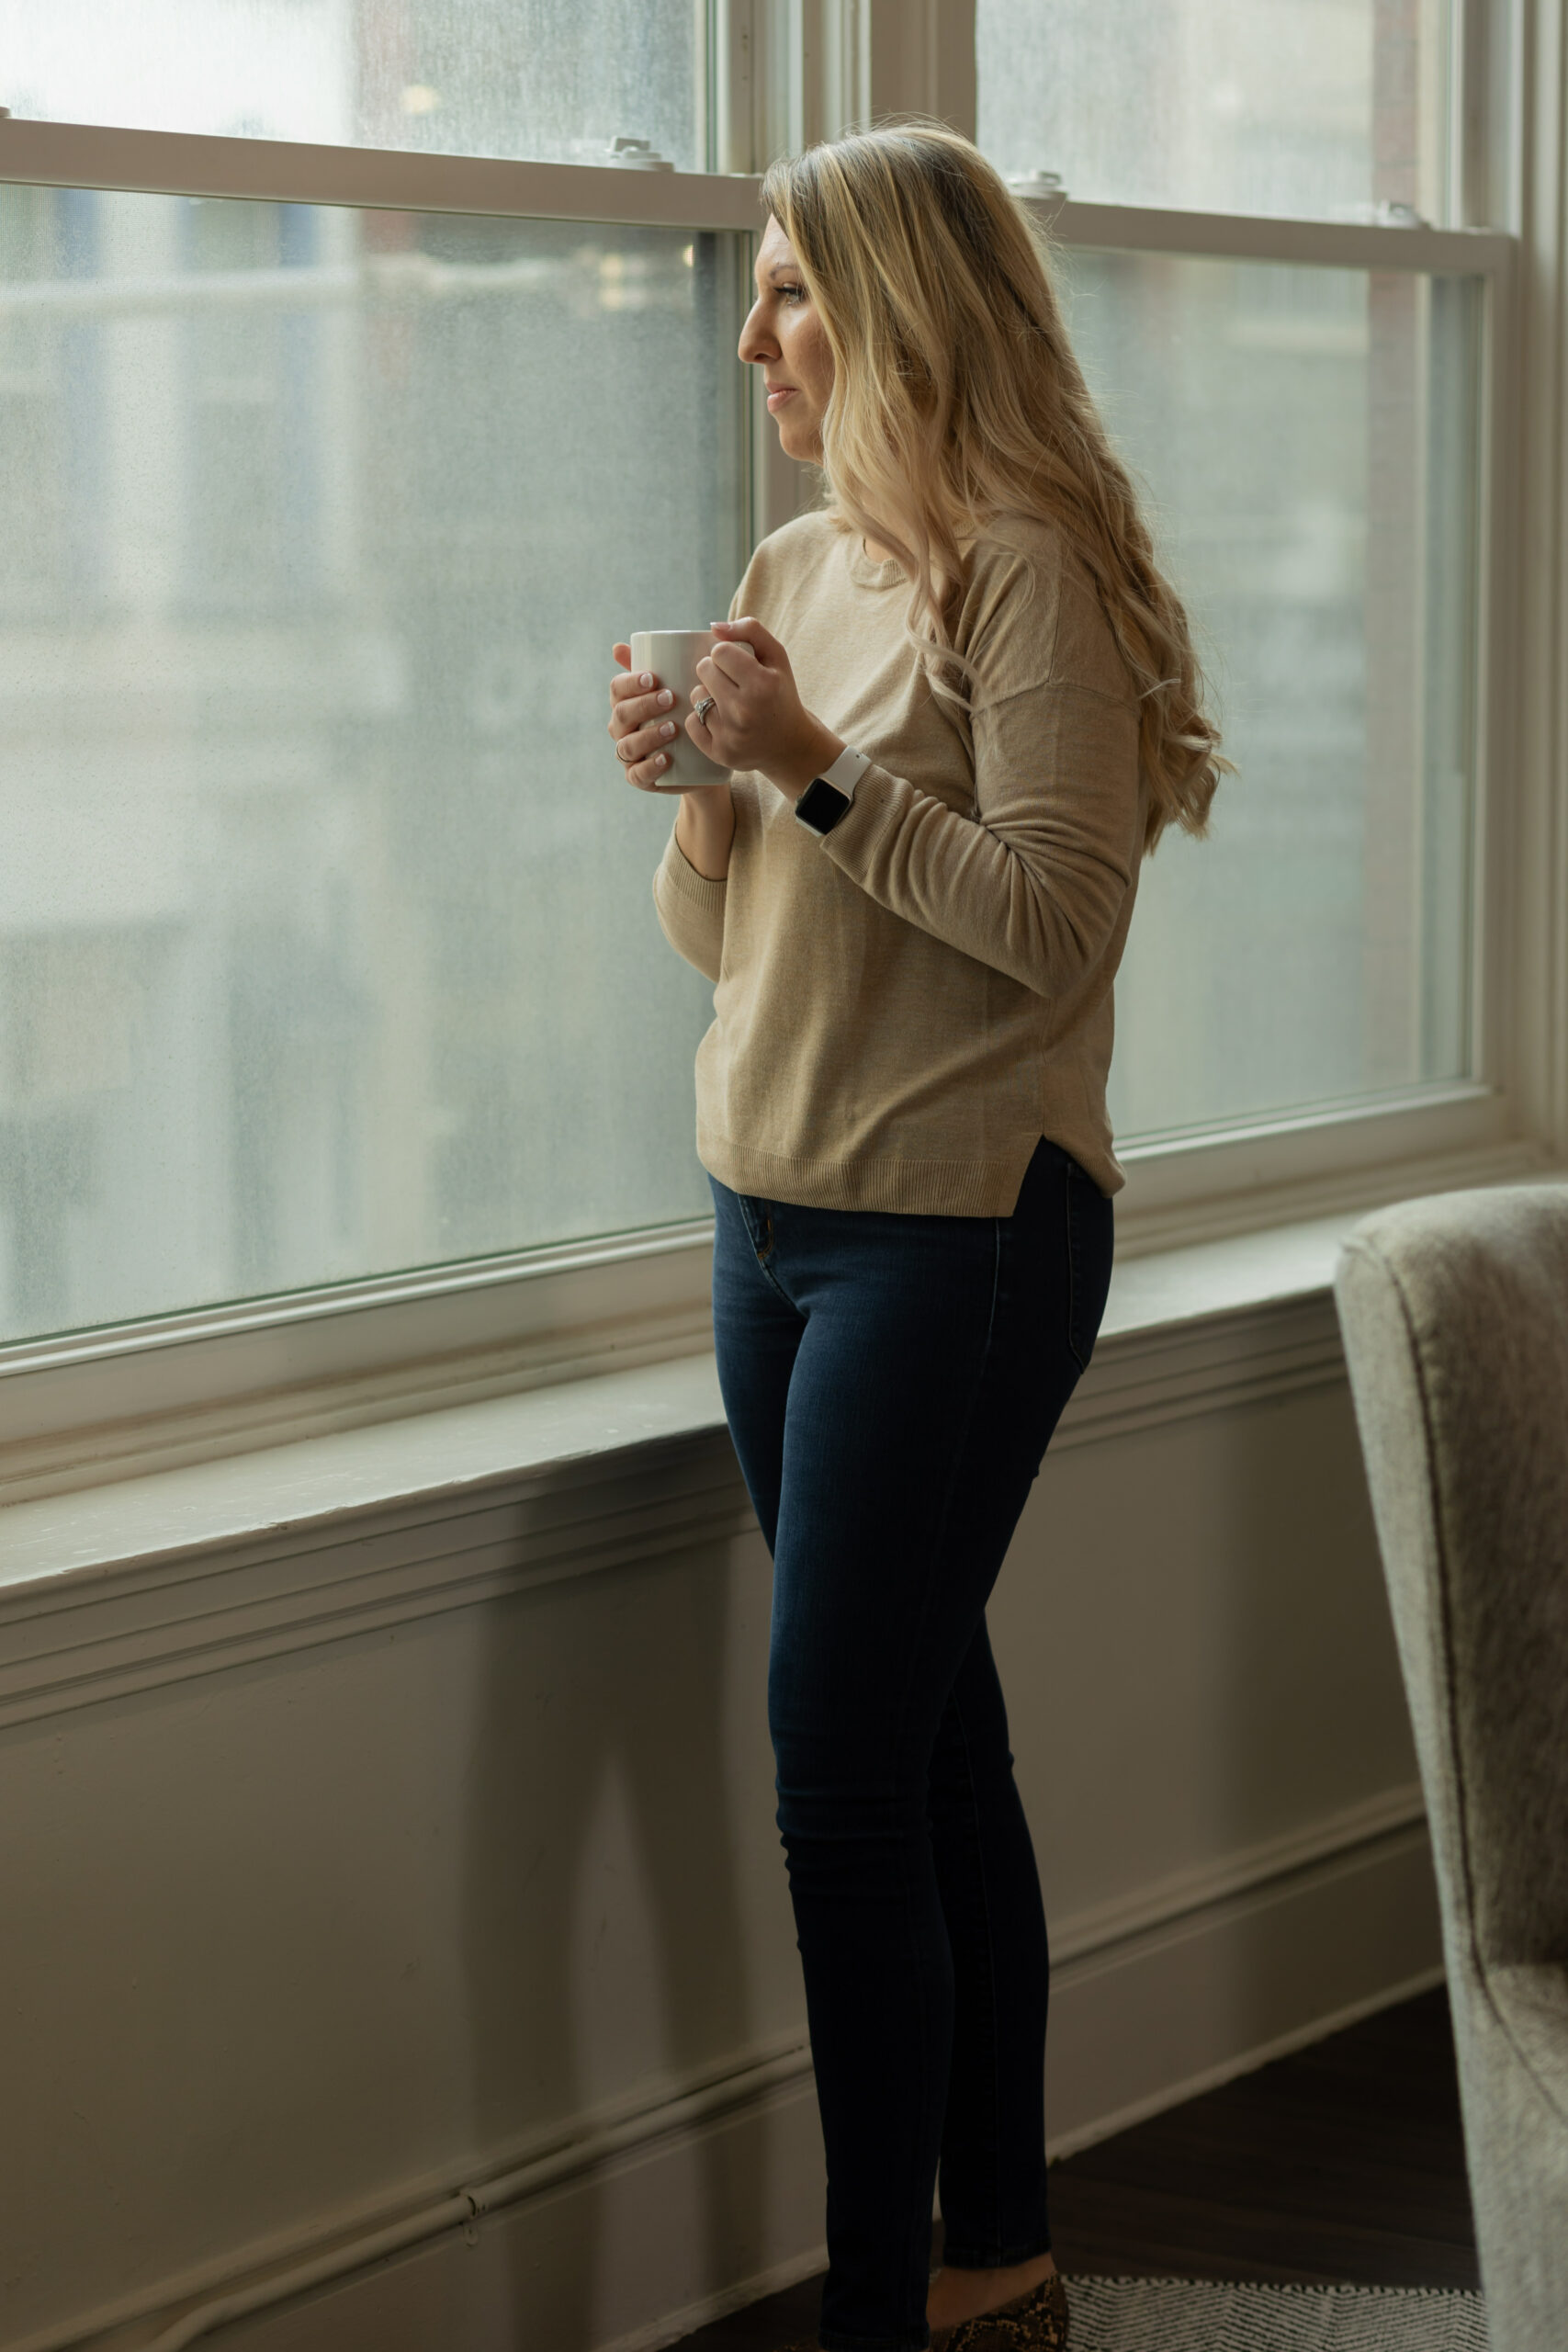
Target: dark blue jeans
x=891 y=1383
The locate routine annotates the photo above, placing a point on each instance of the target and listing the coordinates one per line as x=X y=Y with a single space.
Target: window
x=1325 y=108
x=356 y=390
x=329 y=942
x=466 y=77
x=1307 y=404
x=1311 y=438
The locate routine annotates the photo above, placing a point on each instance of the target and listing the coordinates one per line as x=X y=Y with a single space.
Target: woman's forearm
x=705 y=828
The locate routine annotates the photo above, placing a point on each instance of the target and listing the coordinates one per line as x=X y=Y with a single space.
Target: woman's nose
x=754 y=345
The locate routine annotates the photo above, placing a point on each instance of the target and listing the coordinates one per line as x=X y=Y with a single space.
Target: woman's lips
x=778 y=396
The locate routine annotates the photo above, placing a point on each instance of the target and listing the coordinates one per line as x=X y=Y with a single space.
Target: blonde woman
x=962 y=702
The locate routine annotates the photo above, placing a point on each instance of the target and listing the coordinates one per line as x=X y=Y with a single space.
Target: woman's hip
x=1015 y=1299
x=892 y=1385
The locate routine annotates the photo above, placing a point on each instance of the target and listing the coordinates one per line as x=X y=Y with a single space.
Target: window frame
x=1245 y=1174
x=87 y=1406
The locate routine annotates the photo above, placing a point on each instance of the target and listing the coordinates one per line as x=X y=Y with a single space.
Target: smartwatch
x=827 y=797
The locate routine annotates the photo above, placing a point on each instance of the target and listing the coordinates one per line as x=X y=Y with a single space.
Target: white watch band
x=846 y=771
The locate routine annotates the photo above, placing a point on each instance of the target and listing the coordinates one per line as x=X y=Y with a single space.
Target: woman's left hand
x=758 y=720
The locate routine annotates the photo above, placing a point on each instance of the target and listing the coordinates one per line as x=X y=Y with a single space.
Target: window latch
x=639 y=155
x=1386 y=213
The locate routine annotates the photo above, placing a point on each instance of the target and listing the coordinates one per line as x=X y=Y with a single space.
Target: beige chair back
x=1455 y=1318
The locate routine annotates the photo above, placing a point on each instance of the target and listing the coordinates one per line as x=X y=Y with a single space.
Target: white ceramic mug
x=672 y=655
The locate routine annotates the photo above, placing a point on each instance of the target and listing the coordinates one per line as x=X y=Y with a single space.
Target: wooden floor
x=1342 y=2164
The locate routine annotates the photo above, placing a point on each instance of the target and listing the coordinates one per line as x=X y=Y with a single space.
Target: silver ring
x=709 y=702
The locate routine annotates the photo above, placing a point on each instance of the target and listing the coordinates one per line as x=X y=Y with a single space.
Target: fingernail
x=659 y=761
x=665 y=699
x=646 y=679
x=668 y=729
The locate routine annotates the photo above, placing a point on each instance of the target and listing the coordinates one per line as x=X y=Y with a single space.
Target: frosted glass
x=1307 y=438
x=327 y=944
x=1321 y=108
x=481 y=77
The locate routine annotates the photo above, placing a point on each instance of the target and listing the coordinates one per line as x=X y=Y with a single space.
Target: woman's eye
x=793 y=293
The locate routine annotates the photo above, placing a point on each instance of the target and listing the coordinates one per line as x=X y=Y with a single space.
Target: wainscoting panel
x=416 y=1873
x=621 y=2250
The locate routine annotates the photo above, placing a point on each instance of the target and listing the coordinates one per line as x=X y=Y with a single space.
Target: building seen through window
x=472 y=77
x=1328 y=109
x=1308 y=441
x=325 y=919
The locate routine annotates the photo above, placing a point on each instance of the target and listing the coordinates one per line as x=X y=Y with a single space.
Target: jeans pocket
x=1091 y=1223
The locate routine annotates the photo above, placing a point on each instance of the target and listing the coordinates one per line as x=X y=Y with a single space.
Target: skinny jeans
x=891 y=1383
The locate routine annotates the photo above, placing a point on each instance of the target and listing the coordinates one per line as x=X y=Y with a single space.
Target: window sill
x=182 y=1572
x=119 y=1406
x=1244 y=1271
x=1185 y=1331
x=438 y=1461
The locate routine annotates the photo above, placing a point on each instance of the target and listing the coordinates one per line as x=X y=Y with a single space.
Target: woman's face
x=784 y=337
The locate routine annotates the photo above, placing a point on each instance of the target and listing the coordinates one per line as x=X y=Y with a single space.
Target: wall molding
x=1112 y=1927
x=228 y=1595
x=1263 y=2053
x=1309 y=1893
x=1267 y=1966
x=218 y=1384
x=1138 y=1380
x=76 y=1639
x=531 y=2165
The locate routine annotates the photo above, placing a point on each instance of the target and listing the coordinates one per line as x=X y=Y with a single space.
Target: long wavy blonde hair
x=958 y=402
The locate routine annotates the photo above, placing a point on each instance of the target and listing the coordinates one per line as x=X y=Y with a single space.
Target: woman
x=969 y=683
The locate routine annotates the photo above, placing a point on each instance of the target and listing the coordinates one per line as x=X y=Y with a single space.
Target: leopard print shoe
x=1034 y=2323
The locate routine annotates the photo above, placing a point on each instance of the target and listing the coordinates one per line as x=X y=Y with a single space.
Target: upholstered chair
x=1455 y=1317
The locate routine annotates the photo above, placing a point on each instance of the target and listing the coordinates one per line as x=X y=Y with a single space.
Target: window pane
x=1307 y=438
x=1313 y=108
x=327 y=944
x=481 y=77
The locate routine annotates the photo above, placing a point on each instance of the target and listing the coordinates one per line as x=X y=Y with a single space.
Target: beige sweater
x=906 y=1005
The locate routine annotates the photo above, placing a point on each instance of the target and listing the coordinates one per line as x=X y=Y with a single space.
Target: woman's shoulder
x=799 y=545
x=1031 y=614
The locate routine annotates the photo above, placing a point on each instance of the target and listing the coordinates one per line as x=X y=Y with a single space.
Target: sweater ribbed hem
x=906 y=1187
x=676 y=871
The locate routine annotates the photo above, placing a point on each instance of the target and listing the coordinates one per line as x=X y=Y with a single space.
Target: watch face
x=821 y=805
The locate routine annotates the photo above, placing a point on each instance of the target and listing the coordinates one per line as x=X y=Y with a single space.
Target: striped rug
x=1187 y=2316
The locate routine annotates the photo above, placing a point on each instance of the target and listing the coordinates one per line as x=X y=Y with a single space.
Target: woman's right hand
x=642 y=717
x=642 y=720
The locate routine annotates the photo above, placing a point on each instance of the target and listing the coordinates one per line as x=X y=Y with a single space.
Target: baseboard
x=629 y=2259
x=1228 y=2070
x=682 y=2212
x=1161 y=2015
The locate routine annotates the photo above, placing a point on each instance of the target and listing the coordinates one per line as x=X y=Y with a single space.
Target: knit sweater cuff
x=682 y=877
x=857 y=829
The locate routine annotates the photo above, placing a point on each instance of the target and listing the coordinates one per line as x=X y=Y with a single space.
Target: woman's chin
x=805 y=449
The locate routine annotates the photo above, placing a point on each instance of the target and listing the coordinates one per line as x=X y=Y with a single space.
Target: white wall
x=448 y=1848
